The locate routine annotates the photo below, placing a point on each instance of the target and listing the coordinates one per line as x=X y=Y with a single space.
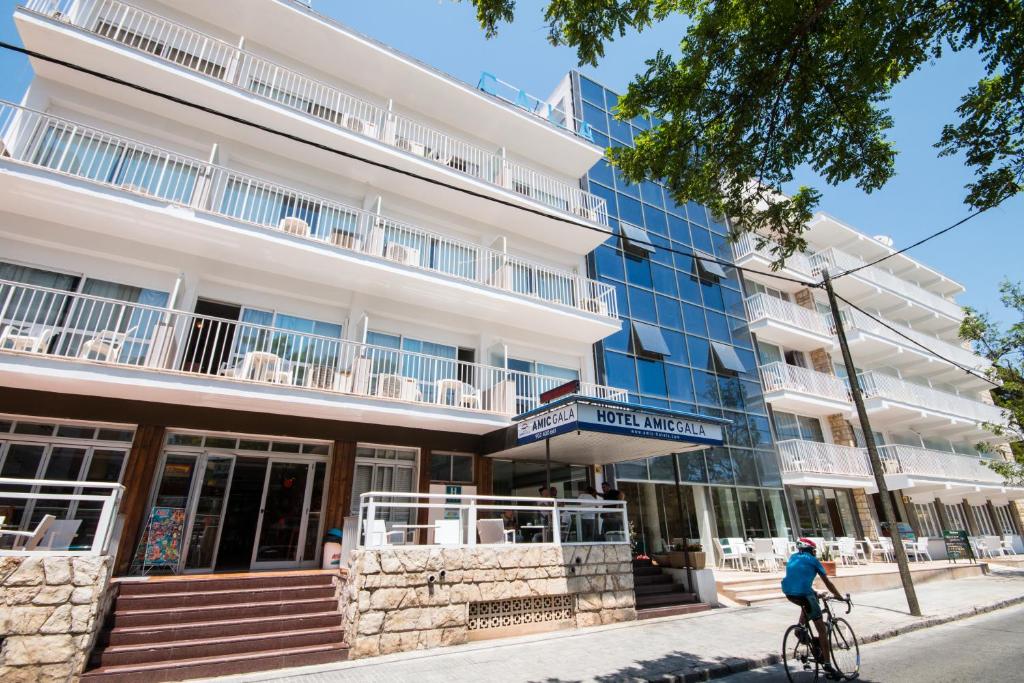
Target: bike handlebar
x=848 y=600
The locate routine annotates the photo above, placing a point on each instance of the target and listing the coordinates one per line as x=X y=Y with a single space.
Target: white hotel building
x=927 y=415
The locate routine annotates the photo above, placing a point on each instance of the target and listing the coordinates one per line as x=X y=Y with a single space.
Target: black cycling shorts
x=808 y=603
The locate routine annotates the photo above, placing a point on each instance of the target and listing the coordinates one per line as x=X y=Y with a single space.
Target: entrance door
x=207 y=512
x=241 y=517
x=285 y=514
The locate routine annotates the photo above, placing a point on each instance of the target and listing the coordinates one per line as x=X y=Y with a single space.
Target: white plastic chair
x=730 y=552
x=493 y=532
x=781 y=549
x=850 y=550
x=763 y=555
x=1006 y=542
x=878 y=548
x=918 y=549
x=30 y=338
x=995 y=546
x=29 y=540
x=447 y=532
x=378 y=535
x=60 y=534
x=454 y=392
x=105 y=346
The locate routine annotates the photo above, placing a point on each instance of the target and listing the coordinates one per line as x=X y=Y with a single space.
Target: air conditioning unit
x=402 y=254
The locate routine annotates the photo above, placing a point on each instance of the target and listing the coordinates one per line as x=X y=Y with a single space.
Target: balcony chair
x=60 y=535
x=294 y=226
x=105 y=346
x=462 y=395
x=400 y=253
x=493 y=532
x=447 y=532
x=347 y=240
x=399 y=387
x=259 y=366
x=29 y=540
x=28 y=338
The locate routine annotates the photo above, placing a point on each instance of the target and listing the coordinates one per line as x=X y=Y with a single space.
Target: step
x=752 y=587
x=752 y=598
x=203 y=667
x=206 y=584
x=672 y=610
x=139 y=635
x=177 y=650
x=221 y=597
x=182 y=615
x=661 y=579
x=646 y=571
x=657 y=588
x=659 y=600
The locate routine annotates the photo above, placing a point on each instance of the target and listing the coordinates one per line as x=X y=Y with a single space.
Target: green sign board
x=958 y=546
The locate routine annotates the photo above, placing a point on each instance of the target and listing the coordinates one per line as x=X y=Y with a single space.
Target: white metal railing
x=762 y=305
x=899 y=459
x=854 y=319
x=66 y=147
x=838 y=261
x=746 y=245
x=186 y=47
x=390 y=518
x=799 y=456
x=53 y=322
x=85 y=513
x=554 y=113
x=877 y=385
x=781 y=376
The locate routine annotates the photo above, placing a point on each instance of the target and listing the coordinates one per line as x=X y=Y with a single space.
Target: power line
x=913 y=341
x=356 y=157
x=915 y=244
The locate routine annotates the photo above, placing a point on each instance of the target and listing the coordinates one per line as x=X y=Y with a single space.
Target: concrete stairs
x=751 y=591
x=658 y=596
x=193 y=627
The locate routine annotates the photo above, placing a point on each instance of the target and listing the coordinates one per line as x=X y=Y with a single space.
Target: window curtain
x=29 y=307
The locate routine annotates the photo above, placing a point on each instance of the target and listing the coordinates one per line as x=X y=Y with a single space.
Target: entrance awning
x=594 y=431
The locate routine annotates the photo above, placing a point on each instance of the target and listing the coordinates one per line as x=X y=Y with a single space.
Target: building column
x=1017 y=513
x=864 y=514
x=969 y=514
x=940 y=510
x=339 y=488
x=423 y=514
x=842 y=431
x=705 y=525
x=138 y=477
x=483 y=475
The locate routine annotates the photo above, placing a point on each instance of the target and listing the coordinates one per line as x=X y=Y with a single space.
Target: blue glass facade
x=700 y=316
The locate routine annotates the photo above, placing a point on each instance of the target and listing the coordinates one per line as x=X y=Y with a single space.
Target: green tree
x=1004 y=349
x=758 y=89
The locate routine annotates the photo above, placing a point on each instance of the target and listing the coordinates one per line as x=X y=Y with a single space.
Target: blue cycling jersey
x=800 y=572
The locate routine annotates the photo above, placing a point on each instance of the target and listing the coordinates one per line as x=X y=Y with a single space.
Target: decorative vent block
x=521 y=611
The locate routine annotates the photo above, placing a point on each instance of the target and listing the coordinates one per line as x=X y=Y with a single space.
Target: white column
x=704 y=525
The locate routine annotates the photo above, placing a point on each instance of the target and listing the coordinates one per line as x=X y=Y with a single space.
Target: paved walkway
x=669 y=649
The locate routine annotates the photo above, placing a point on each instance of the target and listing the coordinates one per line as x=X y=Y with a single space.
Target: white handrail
x=878 y=385
x=746 y=245
x=798 y=456
x=165 y=39
x=781 y=376
x=762 y=305
x=854 y=319
x=900 y=459
x=69 y=148
x=30 y=491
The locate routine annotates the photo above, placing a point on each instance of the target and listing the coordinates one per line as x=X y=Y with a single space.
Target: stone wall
x=867 y=522
x=842 y=431
x=52 y=610
x=398 y=599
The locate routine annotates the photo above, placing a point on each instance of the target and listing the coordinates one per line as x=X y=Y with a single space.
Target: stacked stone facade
x=863 y=506
x=400 y=599
x=52 y=610
x=842 y=431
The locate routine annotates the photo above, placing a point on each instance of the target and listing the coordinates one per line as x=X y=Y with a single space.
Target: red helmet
x=806 y=544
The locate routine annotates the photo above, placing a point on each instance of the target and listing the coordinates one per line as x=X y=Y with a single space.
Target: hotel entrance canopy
x=592 y=431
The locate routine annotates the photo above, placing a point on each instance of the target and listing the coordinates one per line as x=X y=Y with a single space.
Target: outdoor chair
x=918 y=549
x=979 y=547
x=105 y=346
x=781 y=547
x=850 y=551
x=294 y=226
x=729 y=553
x=763 y=555
x=60 y=535
x=994 y=545
x=1006 y=542
x=29 y=540
x=29 y=338
x=377 y=533
x=878 y=549
x=453 y=392
x=447 y=532
x=259 y=366
x=493 y=532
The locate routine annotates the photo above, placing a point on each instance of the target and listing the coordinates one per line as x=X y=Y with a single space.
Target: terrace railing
x=877 y=385
x=518 y=97
x=769 y=307
x=799 y=456
x=746 y=245
x=855 y=320
x=165 y=39
x=781 y=376
x=69 y=148
x=82 y=516
x=389 y=518
x=899 y=459
x=58 y=323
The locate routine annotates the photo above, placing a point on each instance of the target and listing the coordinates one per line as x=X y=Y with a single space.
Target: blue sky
x=927 y=194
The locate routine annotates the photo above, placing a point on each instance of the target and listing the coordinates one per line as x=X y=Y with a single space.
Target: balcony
x=788 y=324
x=810 y=463
x=760 y=260
x=873 y=343
x=883 y=290
x=186 y=63
x=84 y=344
x=912 y=460
x=803 y=391
x=391 y=253
x=896 y=403
x=555 y=114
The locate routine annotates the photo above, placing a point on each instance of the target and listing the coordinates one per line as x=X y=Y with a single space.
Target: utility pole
x=869 y=441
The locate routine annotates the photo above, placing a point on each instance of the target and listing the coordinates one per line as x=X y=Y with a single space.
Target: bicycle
x=801 y=653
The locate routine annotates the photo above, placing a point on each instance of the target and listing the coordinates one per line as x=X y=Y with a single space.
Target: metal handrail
x=762 y=305
x=901 y=459
x=854 y=319
x=799 y=455
x=877 y=385
x=780 y=376
x=165 y=39
x=747 y=245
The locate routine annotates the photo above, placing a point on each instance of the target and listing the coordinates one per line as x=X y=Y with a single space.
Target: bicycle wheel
x=800 y=664
x=845 y=650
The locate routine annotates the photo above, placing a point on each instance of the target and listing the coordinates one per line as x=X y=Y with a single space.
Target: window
x=955 y=517
x=789 y=426
x=768 y=353
x=384 y=469
x=726 y=359
x=707 y=269
x=529 y=386
x=451 y=467
x=1004 y=518
x=649 y=340
x=758 y=288
x=983 y=520
x=635 y=239
x=928 y=519
x=427 y=362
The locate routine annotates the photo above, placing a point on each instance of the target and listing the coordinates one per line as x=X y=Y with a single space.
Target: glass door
x=207 y=511
x=284 y=513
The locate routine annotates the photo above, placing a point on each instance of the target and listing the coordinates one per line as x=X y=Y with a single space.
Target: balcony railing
x=470 y=520
x=837 y=261
x=856 y=320
x=211 y=57
x=877 y=385
x=69 y=148
x=769 y=307
x=800 y=456
x=898 y=459
x=781 y=376
x=57 y=323
x=555 y=114
x=746 y=245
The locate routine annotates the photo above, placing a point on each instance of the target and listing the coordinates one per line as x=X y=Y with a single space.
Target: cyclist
x=798 y=587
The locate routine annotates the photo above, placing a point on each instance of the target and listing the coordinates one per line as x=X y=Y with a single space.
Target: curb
x=740 y=665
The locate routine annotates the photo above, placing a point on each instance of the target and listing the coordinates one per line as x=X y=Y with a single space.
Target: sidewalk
x=669 y=649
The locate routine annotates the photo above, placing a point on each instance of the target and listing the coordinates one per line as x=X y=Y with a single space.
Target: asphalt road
x=986 y=648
